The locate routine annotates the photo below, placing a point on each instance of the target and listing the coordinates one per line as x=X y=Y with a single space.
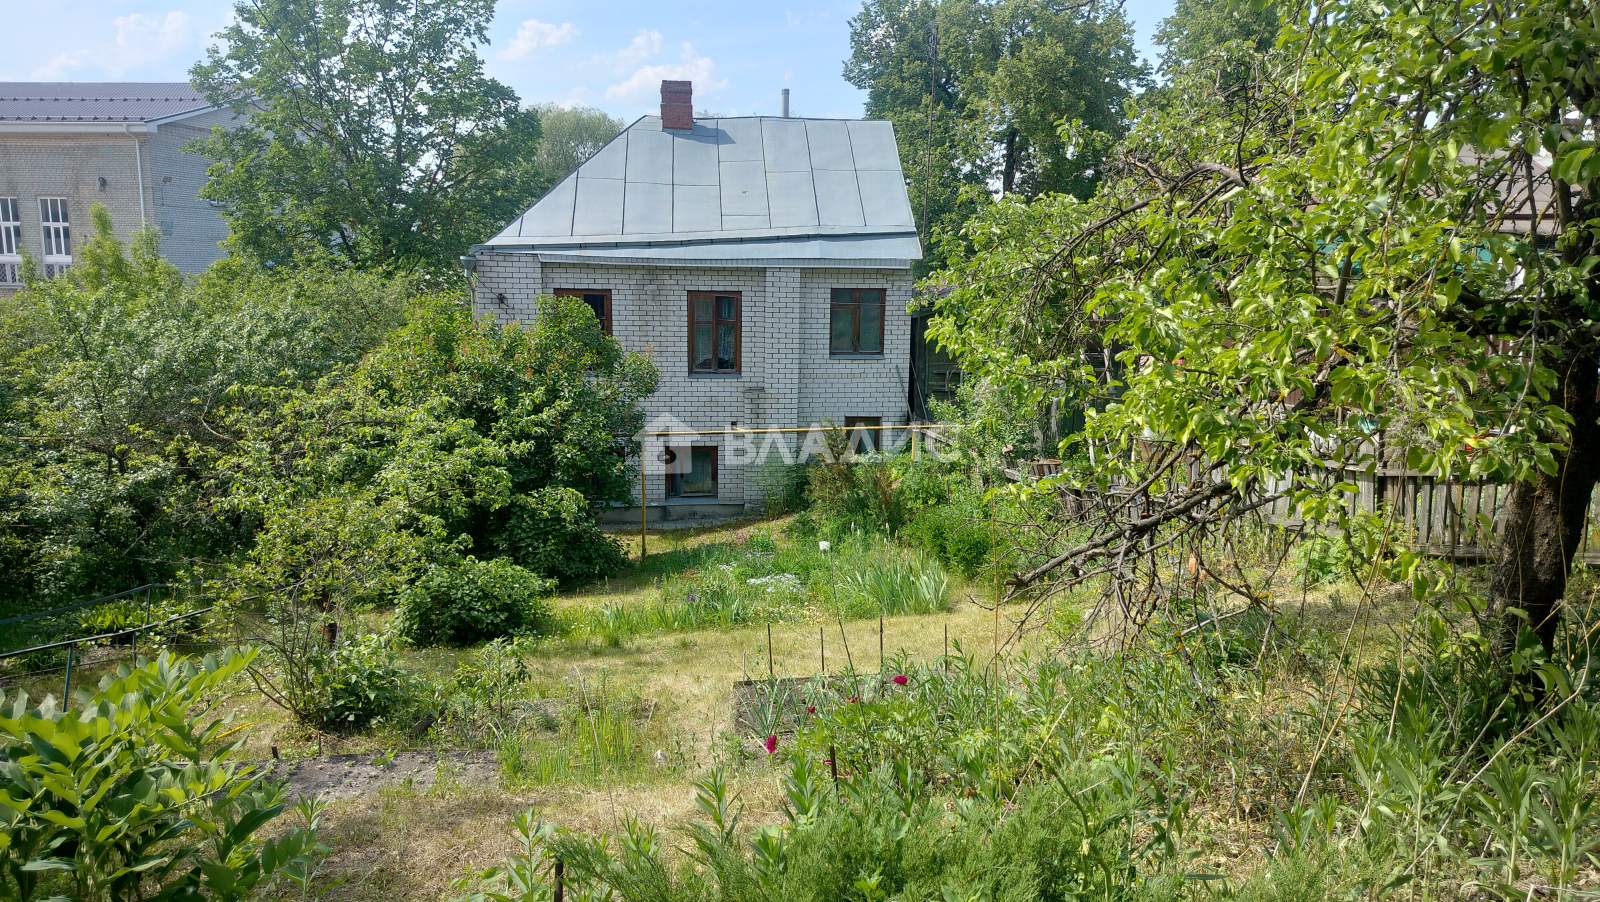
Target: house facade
x=65 y=146
x=763 y=263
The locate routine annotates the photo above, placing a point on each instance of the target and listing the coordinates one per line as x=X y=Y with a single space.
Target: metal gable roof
x=68 y=101
x=762 y=187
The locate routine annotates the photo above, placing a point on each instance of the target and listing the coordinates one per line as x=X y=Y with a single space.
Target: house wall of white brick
x=787 y=377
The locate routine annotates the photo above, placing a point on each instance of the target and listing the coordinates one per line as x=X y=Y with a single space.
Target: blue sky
x=610 y=55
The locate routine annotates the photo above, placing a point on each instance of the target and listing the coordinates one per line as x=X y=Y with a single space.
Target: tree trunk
x=1008 y=175
x=1544 y=518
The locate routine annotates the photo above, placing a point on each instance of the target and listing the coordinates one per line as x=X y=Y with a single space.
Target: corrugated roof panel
x=744 y=188
x=807 y=186
x=552 y=215
x=783 y=144
x=610 y=162
x=92 y=101
x=872 y=144
x=735 y=223
x=830 y=145
x=838 y=198
x=647 y=209
x=696 y=208
x=738 y=139
x=791 y=199
x=597 y=210
x=883 y=198
x=694 y=157
x=650 y=156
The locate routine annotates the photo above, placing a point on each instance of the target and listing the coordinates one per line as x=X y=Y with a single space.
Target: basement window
x=865 y=436
x=692 y=471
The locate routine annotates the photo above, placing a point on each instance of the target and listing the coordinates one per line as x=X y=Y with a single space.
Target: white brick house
x=764 y=263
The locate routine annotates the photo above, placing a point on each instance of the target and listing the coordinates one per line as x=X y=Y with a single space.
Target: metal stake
x=822 y=645
x=66 y=694
x=644 y=512
x=770 y=674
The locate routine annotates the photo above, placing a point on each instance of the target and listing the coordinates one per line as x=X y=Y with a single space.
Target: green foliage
x=552 y=531
x=571 y=135
x=956 y=534
x=909 y=584
x=115 y=381
x=371 y=134
x=1323 y=559
x=361 y=682
x=472 y=601
x=1008 y=75
x=140 y=794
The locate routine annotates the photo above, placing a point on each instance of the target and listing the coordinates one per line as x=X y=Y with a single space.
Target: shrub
x=1322 y=559
x=139 y=794
x=360 y=682
x=955 y=534
x=553 y=531
x=473 y=601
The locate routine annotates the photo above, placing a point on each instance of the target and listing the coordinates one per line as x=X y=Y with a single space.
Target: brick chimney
x=677 y=104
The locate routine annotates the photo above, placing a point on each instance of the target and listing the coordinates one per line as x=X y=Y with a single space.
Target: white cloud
x=139 y=40
x=533 y=35
x=643 y=87
x=644 y=45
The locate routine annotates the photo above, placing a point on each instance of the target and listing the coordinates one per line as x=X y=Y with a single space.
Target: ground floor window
x=864 y=440
x=692 y=471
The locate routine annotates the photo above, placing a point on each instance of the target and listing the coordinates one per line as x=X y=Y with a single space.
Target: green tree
x=1202 y=32
x=113 y=382
x=1025 y=96
x=1382 y=254
x=372 y=133
x=570 y=136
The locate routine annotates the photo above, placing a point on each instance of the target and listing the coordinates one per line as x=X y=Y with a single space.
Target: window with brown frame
x=692 y=471
x=713 y=332
x=598 y=299
x=856 y=326
x=864 y=441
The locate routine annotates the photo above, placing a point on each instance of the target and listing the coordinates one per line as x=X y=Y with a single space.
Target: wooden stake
x=946 y=663
x=833 y=765
x=66 y=694
x=561 y=890
x=770 y=671
x=880 y=643
x=822 y=646
x=644 y=512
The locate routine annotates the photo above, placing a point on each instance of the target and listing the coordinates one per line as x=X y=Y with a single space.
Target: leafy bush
x=955 y=534
x=1323 y=559
x=471 y=602
x=554 y=532
x=140 y=794
x=361 y=682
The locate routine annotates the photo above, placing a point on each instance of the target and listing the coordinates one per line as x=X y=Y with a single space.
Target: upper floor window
x=713 y=332
x=54 y=228
x=598 y=299
x=856 y=326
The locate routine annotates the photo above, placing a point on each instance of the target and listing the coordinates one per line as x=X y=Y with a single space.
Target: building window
x=856 y=326
x=713 y=332
x=10 y=241
x=56 y=233
x=598 y=299
x=692 y=471
x=864 y=440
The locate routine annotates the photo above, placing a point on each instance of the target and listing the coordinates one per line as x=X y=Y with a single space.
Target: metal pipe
x=138 y=167
x=785 y=103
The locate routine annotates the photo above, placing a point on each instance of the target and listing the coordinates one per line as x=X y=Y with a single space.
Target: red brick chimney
x=677 y=104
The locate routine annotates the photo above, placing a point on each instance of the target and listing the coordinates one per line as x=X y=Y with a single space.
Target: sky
x=610 y=54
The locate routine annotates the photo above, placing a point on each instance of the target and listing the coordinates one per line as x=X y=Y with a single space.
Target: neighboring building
x=67 y=145
x=764 y=263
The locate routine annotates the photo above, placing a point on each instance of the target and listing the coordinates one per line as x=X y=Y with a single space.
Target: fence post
x=561 y=891
x=66 y=694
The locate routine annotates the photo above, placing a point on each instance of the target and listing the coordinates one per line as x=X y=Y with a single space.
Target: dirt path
x=347 y=776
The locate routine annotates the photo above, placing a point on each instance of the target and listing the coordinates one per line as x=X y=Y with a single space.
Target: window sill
x=834 y=355
x=715 y=375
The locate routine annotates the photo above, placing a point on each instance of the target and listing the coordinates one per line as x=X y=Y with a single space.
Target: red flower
x=901 y=679
x=854 y=699
x=811 y=709
x=772 y=744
